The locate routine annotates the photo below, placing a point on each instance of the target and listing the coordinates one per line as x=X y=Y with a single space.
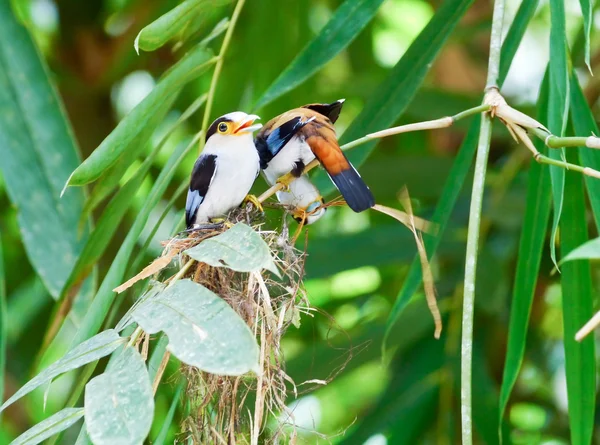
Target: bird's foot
x=255 y=202
x=285 y=181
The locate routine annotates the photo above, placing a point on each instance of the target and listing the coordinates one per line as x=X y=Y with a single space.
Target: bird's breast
x=285 y=161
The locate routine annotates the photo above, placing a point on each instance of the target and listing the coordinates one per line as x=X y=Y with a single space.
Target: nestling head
x=311 y=214
x=237 y=124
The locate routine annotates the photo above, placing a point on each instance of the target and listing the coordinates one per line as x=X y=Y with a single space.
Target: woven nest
x=234 y=410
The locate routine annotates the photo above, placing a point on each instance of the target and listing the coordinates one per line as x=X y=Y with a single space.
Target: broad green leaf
x=588 y=17
x=533 y=235
x=391 y=99
x=343 y=27
x=558 y=109
x=584 y=124
x=38 y=152
x=164 y=430
x=104 y=298
x=589 y=250
x=119 y=404
x=240 y=248
x=203 y=330
x=49 y=427
x=150 y=293
x=577 y=306
x=93 y=349
x=192 y=65
x=187 y=16
x=461 y=166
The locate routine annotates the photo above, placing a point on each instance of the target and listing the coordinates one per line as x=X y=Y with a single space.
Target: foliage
x=365 y=362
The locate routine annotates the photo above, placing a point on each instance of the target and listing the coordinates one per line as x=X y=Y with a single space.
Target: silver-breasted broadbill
x=225 y=171
x=288 y=142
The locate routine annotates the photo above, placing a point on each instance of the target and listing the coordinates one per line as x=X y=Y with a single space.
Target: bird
x=288 y=142
x=225 y=170
x=304 y=201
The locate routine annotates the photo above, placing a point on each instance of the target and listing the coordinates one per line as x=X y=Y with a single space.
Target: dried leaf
x=409 y=221
x=156 y=266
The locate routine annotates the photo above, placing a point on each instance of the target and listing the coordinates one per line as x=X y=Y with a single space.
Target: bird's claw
x=285 y=181
x=255 y=202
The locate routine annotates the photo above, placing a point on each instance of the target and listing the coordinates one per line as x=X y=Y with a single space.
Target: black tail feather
x=332 y=110
x=354 y=190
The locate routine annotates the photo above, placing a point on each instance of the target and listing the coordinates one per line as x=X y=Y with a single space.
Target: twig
x=219 y=65
x=483 y=149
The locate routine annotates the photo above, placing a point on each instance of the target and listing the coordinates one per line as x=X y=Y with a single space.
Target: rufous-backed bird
x=225 y=171
x=288 y=142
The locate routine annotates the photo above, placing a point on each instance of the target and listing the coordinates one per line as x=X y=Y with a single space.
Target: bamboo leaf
x=93 y=349
x=588 y=17
x=49 y=427
x=590 y=250
x=192 y=65
x=558 y=110
x=393 y=97
x=38 y=152
x=164 y=430
x=203 y=330
x=119 y=404
x=239 y=248
x=577 y=305
x=101 y=304
x=3 y=322
x=533 y=235
x=186 y=15
x=349 y=19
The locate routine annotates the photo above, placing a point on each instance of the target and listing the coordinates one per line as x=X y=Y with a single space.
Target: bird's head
x=310 y=214
x=236 y=124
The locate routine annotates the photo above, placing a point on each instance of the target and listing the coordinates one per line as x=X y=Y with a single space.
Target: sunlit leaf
x=93 y=349
x=239 y=248
x=589 y=250
x=193 y=64
x=588 y=17
x=188 y=14
x=119 y=404
x=343 y=27
x=38 y=152
x=49 y=427
x=203 y=330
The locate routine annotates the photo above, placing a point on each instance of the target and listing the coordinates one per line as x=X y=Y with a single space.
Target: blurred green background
x=356 y=263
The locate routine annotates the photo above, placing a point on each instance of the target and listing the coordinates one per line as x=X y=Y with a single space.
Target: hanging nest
x=234 y=410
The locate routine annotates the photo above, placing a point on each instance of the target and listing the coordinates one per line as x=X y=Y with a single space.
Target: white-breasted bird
x=288 y=142
x=225 y=171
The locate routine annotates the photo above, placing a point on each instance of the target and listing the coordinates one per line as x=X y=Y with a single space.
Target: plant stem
x=483 y=149
x=215 y=78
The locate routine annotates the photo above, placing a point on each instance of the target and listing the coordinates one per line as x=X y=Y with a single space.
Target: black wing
x=269 y=141
x=202 y=175
x=332 y=111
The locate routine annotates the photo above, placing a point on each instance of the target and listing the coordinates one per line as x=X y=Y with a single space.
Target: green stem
x=483 y=149
x=471 y=111
x=216 y=74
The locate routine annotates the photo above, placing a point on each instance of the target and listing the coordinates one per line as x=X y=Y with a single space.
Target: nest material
x=230 y=410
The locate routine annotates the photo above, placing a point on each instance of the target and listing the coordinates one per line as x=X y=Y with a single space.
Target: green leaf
x=585 y=124
x=105 y=296
x=38 y=152
x=239 y=248
x=533 y=235
x=119 y=404
x=577 y=305
x=203 y=330
x=385 y=105
x=558 y=110
x=587 y=12
x=192 y=65
x=164 y=430
x=589 y=250
x=49 y=427
x=93 y=349
x=343 y=27
x=186 y=15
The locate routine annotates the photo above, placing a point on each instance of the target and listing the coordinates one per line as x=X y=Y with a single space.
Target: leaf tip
x=136 y=43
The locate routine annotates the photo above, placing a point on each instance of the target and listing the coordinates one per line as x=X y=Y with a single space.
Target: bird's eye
x=223 y=127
